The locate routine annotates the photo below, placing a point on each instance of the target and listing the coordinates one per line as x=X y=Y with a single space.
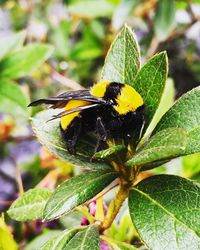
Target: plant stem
x=115 y=206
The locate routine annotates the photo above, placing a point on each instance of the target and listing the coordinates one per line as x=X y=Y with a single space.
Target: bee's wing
x=61 y=100
x=70 y=111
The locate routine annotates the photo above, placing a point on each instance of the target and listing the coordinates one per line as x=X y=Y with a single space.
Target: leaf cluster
x=164 y=209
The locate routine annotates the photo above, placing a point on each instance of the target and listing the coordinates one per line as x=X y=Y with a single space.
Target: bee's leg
x=75 y=133
x=101 y=134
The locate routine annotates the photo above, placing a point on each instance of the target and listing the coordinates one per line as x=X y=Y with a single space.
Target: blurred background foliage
x=74 y=36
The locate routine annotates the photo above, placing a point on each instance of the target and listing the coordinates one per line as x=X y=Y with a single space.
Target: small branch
x=190 y=10
x=153 y=47
x=20 y=138
x=115 y=206
x=19 y=181
x=18 y=177
x=6 y=203
x=181 y=32
x=65 y=81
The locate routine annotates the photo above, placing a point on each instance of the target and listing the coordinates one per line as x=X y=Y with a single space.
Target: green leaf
x=30 y=205
x=42 y=239
x=13 y=100
x=166 y=102
x=123 y=59
x=164 y=18
x=87 y=239
x=118 y=245
x=185 y=113
x=76 y=191
x=60 y=39
x=91 y=8
x=150 y=83
x=10 y=43
x=59 y=242
x=25 y=60
x=110 y=152
x=49 y=135
x=165 y=210
x=85 y=51
x=166 y=144
x=71 y=219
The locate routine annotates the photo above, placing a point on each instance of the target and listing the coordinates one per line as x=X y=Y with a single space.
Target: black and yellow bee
x=111 y=110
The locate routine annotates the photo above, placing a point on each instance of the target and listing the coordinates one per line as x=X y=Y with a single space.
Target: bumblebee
x=112 y=110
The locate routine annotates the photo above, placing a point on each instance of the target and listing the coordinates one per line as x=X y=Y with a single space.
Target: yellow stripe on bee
x=128 y=100
x=67 y=119
x=99 y=89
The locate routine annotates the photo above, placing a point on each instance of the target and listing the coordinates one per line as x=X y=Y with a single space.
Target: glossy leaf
x=13 y=100
x=164 y=18
x=25 y=60
x=110 y=152
x=123 y=59
x=49 y=135
x=60 y=242
x=76 y=191
x=150 y=83
x=10 y=43
x=167 y=100
x=185 y=113
x=165 y=210
x=42 y=239
x=166 y=144
x=30 y=205
x=86 y=239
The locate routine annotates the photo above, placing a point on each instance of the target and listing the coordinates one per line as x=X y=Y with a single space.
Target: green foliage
x=165 y=210
x=123 y=59
x=14 y=104
x=30 y=205
x=82 y=238
x=42 y=239
x=166 y=144
x=85 y=239
x=167 y=100
x=110 y=152
x=17 y=61
x=59 y=242
x=24 y=60
x=92 y=8
x=11 y=43
x=185 y=114
x=76 y=191
x=150 y=83
x=164 y=18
